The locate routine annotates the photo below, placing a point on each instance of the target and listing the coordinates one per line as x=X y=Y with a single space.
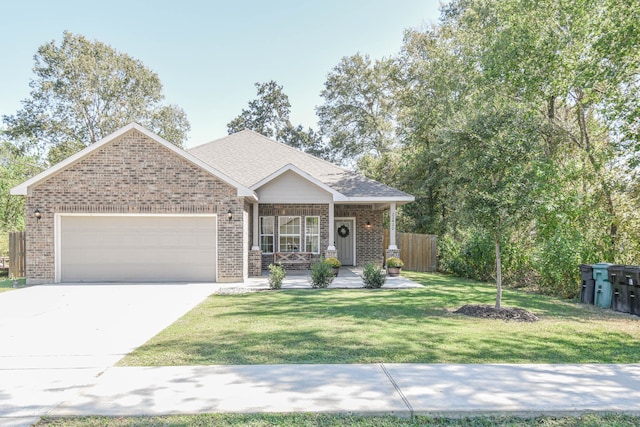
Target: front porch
x=297 y=235
x=348 y=278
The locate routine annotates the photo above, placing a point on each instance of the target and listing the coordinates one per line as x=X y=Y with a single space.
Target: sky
x=209 y=54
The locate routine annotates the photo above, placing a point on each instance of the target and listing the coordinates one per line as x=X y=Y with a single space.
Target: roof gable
x=254 y=160
x=23 y=188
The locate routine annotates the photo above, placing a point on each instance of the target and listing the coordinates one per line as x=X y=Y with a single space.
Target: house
x=134 y=207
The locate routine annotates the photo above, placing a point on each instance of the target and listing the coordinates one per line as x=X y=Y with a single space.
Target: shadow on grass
x=430 y=346
x=393 y=326
x=457 y=292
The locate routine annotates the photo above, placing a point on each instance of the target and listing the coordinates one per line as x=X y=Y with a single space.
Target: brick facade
x=368 y=239
x=135 y=175
x=301 y=210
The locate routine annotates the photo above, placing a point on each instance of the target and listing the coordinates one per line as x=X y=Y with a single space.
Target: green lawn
x=394 y=326
x=7 y=284
x=317 y=420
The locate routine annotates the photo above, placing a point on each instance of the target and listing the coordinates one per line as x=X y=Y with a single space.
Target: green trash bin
x=603 y=292
x=587 y=289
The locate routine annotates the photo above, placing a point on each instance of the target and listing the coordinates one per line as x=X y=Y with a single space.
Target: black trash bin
x=587 y=289
x=632 y=274
x=620 y=300
x=634 y=299
x=616 y=273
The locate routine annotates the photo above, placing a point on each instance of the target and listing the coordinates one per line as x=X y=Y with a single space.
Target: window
x=312 y=234
x=289 y=233
x=266 y=234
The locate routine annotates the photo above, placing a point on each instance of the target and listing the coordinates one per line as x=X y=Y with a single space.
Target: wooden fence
x=418 y=251
x=17 y=254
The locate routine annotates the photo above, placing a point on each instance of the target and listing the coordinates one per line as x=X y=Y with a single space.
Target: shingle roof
x=249 y=157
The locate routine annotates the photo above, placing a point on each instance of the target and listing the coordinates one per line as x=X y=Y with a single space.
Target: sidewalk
x=397 y=389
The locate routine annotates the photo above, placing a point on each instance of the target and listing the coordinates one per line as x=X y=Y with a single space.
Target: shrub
x=472 y=256
x=321 y=274
x=333 y=262
x=373 y=276
x=276 y=276
x=395 y=262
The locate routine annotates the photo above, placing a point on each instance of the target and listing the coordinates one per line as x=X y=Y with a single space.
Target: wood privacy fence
x=17 y=254
x=418 y=251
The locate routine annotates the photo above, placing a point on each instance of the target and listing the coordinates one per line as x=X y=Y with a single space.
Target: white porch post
x=256 y=238
x=332 y=246
x=392 y=226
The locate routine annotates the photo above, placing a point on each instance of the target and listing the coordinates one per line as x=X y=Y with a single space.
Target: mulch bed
x=502 y=313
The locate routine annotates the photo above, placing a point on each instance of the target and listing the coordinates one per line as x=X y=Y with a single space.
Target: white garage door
x=137 y=248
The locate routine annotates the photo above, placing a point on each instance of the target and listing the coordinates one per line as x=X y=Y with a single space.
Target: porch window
x=312 y=234
x=266 y=234
x=289 y=228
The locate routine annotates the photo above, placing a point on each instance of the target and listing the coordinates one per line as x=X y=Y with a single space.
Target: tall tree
x=268 y=114
x=496 y=150
x=82 y=91
x=358 y=113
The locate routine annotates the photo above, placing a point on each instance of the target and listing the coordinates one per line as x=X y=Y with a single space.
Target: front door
x=344 y=240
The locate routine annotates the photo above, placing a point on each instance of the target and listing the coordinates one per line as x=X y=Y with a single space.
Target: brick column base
x=391 y=253
x=255 y=263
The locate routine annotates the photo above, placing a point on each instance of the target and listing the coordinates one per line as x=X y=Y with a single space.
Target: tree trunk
x=498 y=273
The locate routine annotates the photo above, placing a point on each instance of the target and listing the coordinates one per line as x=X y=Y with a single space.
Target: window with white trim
x=289 y=233
x=312 y=234
x=266 y=232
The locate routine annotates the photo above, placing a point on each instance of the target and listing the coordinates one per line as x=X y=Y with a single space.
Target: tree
x=15 y=168
x=82 y=91
x=583 y=75
x=496 y=152
x=358 y=114
x=268 y=115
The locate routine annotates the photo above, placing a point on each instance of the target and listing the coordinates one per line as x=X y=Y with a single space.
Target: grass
x=392 y=326
x=313 y=420
x=7 y=284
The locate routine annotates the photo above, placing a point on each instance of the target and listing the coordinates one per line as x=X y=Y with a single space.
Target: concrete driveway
x=55 y=339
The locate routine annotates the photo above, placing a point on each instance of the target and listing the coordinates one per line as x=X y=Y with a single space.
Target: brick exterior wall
x=134 y=174
x=368 y=240
x=301 y=210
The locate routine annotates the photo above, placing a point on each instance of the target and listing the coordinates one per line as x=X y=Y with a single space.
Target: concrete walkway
x=58 y=344
x=348 y=278
x=395 y=389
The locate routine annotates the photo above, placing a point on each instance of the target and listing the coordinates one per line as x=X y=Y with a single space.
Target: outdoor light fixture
x=368 y=225
x=229 y=214
x=37 y=214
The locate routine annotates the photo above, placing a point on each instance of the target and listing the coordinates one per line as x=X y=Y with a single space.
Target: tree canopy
x=268 y=114
x=515 y=125
x=82 y=91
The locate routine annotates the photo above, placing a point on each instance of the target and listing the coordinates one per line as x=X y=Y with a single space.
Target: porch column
x=392 y=226
x=332 y=246
x=255 y=254
x=256 y=238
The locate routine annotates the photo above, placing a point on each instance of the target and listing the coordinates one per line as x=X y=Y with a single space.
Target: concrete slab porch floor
x=348 y=278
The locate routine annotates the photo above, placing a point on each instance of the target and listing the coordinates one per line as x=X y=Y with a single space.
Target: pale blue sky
x=209 y=54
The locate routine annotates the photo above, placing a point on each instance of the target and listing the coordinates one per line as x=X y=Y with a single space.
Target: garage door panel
x=137 y=248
